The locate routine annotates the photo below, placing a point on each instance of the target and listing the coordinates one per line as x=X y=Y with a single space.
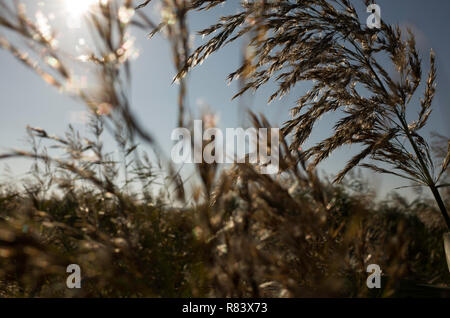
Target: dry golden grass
x=243 y=234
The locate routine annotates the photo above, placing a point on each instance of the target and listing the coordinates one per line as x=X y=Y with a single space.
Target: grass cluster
x=235 y=232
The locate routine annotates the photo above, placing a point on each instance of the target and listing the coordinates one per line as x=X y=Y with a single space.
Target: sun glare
x=79 y=7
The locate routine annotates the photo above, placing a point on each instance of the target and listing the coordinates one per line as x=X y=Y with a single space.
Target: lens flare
x=79 y=7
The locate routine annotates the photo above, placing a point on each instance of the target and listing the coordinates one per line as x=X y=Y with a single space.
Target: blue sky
x=27 y=100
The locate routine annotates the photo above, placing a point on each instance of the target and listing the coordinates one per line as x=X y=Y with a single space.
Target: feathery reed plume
x=244 y=234
x=324 y=42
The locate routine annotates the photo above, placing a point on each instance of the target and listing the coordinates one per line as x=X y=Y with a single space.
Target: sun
x=79 y=7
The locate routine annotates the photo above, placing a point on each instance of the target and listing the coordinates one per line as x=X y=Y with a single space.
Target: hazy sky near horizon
x=27 y=100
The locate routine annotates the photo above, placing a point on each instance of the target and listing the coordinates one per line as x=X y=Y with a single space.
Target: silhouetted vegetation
x=236 y=232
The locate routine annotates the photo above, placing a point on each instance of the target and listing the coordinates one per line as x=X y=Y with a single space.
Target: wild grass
x=242 y=234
